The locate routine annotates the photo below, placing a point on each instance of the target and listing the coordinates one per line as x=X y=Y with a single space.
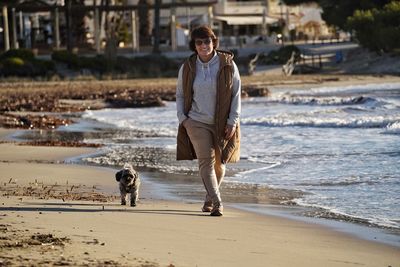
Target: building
x=44 y=24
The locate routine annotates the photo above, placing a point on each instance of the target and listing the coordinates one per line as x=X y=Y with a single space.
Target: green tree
x=336 y=12
x=378 y=29
x=376 y=23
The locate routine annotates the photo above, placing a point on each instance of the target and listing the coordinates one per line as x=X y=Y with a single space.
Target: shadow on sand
x=96 y=207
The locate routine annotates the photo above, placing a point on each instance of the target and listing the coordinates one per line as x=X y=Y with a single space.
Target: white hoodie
x=205 y=93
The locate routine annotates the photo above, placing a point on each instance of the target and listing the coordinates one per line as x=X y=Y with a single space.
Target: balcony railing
x=244 y=4
x=229 y=8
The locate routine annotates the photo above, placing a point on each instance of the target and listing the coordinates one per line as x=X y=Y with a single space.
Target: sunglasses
x=199 y=42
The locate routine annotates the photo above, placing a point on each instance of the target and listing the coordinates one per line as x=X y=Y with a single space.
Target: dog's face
x=127 y=175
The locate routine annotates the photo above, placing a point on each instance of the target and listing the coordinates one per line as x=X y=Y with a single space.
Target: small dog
x=129 y=182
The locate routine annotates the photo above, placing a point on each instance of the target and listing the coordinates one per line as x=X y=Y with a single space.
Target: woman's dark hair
x=202 y=32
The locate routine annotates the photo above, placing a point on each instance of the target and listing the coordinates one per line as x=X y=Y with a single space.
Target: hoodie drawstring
x=206 y=66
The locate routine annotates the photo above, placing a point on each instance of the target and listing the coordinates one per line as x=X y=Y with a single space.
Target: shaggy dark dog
x=129 y=182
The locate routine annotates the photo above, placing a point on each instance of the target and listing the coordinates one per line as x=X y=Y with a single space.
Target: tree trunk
x=5 y=28
x=156 y=45
x=145 y=23
x=68 y=4
x=111 y=39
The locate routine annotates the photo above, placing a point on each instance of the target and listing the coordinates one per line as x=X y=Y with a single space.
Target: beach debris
x=3 y=227
x=252 y=64
x=95 y=241
x=29 y=121
x=20 y=241
x=290 y=65
x=255 y=91
x=20 y=247
x=49 y=239
x=59 y=143
x=56 y=191
x=75 y=97
x=133 y=102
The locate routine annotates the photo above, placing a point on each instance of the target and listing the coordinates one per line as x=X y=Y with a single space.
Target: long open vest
x=230 y=148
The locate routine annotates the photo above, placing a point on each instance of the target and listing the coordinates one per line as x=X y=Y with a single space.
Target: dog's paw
x=133 y=204
x=123 y=203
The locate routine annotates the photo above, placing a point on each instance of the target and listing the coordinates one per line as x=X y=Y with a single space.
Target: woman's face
x=204 y=48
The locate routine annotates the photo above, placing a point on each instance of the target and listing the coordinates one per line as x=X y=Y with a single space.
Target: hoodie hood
x=207 y=66
x=226 y=54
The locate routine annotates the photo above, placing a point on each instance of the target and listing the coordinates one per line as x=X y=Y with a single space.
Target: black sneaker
x=217 y=210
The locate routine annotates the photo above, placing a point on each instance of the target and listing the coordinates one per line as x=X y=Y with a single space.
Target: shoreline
x=326 y=82
x=329 y=80
x=273 y=205
x=95 y=232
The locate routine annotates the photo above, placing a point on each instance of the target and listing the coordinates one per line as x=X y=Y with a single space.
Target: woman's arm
x=180 y=106
x=234 y=114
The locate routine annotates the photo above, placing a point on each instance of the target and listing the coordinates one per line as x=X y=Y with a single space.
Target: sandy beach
x=55 y=213
x=42 y=227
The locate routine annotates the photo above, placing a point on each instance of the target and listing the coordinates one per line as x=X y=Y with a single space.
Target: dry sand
x=43 y=230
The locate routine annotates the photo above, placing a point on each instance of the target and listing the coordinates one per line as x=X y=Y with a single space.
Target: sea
x=336 y=149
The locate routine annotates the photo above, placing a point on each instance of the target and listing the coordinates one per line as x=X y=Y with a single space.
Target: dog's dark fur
x=129 y=182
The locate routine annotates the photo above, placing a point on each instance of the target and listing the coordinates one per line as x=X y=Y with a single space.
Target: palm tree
x=4 y=6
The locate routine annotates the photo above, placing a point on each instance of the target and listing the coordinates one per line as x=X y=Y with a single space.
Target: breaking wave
x=333 y=122
x=323 y=101
x=393 y=128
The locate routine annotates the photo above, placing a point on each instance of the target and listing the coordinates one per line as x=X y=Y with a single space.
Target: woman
x=208 y=109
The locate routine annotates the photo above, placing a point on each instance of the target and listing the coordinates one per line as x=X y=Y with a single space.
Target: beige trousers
x=212 y=171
